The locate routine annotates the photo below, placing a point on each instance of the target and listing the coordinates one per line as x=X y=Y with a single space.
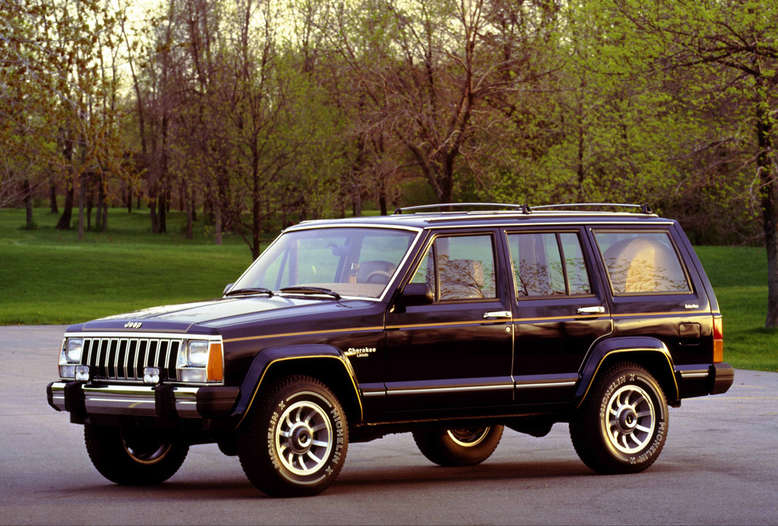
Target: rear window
x=642 y=263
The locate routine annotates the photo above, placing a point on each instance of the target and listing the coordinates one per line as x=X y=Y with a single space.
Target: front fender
x=265 y=359
x=638 y=348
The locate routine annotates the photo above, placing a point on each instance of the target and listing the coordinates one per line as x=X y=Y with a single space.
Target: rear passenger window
x=642 y=262
x=548 y=264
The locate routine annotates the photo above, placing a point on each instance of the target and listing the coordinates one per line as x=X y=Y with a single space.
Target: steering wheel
x=382 y=274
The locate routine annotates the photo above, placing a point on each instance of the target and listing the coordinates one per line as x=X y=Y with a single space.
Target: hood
x=207 y=316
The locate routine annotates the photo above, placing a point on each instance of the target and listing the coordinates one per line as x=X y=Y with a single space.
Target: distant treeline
x=265 y=112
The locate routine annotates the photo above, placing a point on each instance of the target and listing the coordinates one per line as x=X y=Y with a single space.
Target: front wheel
x=133 y=456
x=622 y=425
x=458 y=446
x=295 y=443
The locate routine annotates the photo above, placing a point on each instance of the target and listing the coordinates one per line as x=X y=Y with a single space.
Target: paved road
x=720 y=466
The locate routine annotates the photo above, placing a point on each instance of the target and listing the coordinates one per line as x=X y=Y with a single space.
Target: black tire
x=622 y=425
x=295 y=443
x=458 y=446
x=133 y=457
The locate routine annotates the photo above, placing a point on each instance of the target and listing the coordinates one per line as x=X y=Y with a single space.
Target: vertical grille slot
x=171 y=360
x=141 y=358
x=112 y=358
x=151 y=359
x=102 y=358
x=131 y=358
x=87 y=352
x=121 y=370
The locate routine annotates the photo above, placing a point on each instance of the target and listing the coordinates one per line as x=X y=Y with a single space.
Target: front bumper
x=162 y=401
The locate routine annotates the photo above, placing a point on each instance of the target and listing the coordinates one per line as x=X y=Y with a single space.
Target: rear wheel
x=458 y=446
x=622 y=425
x=133 y=456
x=296 y=442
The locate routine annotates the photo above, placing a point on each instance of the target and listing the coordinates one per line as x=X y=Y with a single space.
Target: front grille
x=125 y=358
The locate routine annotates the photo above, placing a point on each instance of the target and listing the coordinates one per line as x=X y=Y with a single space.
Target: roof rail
x=644 y=208
x=524 y=208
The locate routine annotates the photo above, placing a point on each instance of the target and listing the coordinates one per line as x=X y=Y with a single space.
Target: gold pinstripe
x=469 y=322
x=303 y=333
x=267 y=367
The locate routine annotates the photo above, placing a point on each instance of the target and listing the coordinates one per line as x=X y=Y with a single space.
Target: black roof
x=555 y=214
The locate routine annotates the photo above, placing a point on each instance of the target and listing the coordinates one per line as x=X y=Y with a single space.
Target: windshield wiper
x=311 y=290
x=258 y=290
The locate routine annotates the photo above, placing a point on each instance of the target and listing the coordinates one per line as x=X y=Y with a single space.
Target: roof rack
x=644 y=208
x=509 y=206
x=525 y=208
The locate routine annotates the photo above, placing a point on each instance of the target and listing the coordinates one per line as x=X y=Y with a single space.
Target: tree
x=731 y=46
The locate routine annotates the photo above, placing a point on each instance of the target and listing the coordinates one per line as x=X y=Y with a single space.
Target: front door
x=455 y=353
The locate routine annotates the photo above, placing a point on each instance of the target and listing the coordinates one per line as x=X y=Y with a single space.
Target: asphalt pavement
x=719 y=466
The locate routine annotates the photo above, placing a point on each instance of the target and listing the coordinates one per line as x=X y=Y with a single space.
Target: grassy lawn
x=739 y=277
x=48 y=276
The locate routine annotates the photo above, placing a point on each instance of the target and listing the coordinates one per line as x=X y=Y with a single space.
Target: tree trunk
x=102 y=206
x=382 y=195
x=90 y=202
x=189 y=203
x=53 y=196
x=27 y=190
x=769 y=209
x=153 y=214
x=182 y=197
x=162 y=213
x=67 y=211
x=81 y=199
x=255 y=218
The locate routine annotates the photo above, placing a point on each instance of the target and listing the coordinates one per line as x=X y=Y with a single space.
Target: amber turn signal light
x=718 y=339
x=215 y=363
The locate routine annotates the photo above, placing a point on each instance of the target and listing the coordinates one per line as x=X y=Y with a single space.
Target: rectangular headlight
x=71 y=351
x=70 y=356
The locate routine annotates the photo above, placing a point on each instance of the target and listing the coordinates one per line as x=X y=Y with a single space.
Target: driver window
x=459 y=268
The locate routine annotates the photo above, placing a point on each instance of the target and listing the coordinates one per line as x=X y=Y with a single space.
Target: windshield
x=350 y=261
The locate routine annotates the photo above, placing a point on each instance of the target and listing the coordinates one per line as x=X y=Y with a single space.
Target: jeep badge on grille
x=133 y=325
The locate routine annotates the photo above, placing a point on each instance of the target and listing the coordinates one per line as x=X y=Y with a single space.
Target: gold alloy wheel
x=468 y=436
x=304 y=438
x=630 y=419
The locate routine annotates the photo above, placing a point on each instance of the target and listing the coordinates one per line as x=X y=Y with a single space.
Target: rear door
x=560 y=309
x=455 y=353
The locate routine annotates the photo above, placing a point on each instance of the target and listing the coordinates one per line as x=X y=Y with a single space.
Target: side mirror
x=416 y=294
x=227 y=288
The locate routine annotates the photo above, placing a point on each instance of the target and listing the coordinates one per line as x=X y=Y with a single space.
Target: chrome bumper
x=132 y=400
x=704 y=379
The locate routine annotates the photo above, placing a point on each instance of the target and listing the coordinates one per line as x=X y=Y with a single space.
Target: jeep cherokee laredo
x=449 y=325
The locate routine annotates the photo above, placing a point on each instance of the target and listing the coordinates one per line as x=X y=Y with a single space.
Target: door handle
x=497 y=315
x=597 y=309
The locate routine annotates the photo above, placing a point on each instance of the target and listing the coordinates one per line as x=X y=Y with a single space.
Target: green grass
x=48 y=276
x=739 y=278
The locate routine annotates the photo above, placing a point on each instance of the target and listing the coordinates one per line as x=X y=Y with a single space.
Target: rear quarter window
x=642 y=263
